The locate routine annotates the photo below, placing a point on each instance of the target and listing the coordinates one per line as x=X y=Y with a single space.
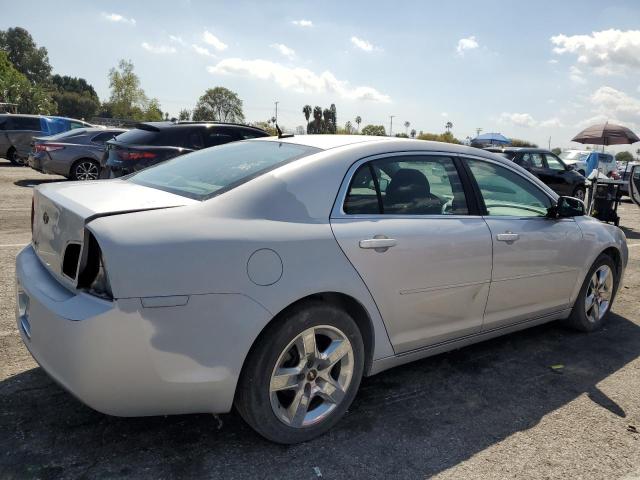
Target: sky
x=533 y=70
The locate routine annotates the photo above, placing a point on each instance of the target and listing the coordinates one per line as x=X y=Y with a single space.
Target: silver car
x=274 y=273
x=74 y=154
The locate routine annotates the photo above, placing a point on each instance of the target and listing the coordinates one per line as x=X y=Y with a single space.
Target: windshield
x=209 y=172
x=574 y=156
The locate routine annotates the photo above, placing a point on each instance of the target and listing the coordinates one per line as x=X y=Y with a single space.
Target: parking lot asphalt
x=492 y=410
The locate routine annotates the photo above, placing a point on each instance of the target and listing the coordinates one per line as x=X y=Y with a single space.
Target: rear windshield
x=67 y=135
x=209 y=172
x=139 y=137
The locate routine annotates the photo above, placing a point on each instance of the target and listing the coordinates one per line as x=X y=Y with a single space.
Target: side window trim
x=376 y=185
x=474 y=208
x=476 y=187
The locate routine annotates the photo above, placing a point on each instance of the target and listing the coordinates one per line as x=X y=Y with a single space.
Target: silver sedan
x=274 y=273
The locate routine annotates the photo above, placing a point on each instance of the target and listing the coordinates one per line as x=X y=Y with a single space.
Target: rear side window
x=418 y=185
x=25 y=123
x=219 y=135
x=138 y=136
x=103 y=137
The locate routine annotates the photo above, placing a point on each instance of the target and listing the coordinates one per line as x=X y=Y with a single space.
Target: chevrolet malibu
x=272 y=274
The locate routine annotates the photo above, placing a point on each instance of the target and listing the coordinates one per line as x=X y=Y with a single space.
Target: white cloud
x=609 y=102
x=297 y=79
x=177 y=39
x=160 y=49
x=607 y=52
x=526 y=120
x=202 y=51
x=215 y=42
x=362 y=44
x=469 y=43
x=553 y=61
x=303 y=23
x=576 y=75
x=116 y=17
x=284 y=50
x=444 y=114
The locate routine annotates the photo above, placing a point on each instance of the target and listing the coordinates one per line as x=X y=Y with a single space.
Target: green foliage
x=556 y=151
x=16 y=88
x=184 y=115
x=324 y=121
x=624 y=156
x=128 y=100
x=516 y=142
x=446 y=137
x=24 y=54
x=219 y=104
x=358 y=120
x=75 y=97
x=376 y=130
x=307 y=110
x=267 y=127
x=402 y=135
x=448 y=126
x=413 y=133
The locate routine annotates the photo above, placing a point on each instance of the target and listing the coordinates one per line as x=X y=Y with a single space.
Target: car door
x=536 y=259
x=414 y=236
x=559 y=177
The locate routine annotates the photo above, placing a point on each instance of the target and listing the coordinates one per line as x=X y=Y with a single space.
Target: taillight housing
x=133 y=155
x=48 y=147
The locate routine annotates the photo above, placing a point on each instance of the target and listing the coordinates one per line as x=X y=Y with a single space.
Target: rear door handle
x=507 y=237
x=379 y=244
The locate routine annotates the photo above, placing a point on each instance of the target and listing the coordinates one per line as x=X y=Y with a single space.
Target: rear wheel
x=302 y=374
x=85 y=170
x=595 y=297
x=12 y=156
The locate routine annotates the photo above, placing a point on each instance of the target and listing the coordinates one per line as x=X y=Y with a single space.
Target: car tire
x=595 y=297
x=12 y=156
x=579 y=192
x=85 y=169
x=288 y=391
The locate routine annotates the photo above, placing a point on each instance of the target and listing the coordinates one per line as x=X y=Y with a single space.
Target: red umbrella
x=606 y=134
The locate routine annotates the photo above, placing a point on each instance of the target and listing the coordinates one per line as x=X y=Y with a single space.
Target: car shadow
x=630 y=233
x=409 y=422
x=32 y=182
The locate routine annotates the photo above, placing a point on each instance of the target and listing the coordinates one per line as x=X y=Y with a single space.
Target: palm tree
x=448 y=126
x=348 y=128
x=406 y=128
x=358 y=120
x=307 y=112
x=413 y=133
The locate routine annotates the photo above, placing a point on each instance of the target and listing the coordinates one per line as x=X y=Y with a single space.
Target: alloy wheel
x=311 y=376
x=86 y=171
x=599 y=292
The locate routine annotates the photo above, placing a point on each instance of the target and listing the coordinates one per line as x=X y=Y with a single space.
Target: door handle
x=507 y=237
x=378 y=244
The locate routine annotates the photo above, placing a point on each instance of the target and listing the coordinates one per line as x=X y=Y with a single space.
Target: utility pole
x=549 y=144
x=478 y=130
x=277 y=102
x=391 y=125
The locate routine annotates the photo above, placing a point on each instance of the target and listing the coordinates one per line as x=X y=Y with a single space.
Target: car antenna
x=282 y=135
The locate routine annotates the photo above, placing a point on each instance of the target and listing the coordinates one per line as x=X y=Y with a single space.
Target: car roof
x=518 y=149
x=165 y=125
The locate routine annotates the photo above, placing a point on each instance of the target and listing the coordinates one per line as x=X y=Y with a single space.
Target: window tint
x=421 y=185
x=138 y=136
x=205 y=173
x=246 y=134
x=74 y=125
x=25 y=123
x=103 y=137
x=506 y=193
x=219 y=135
x=553 y=163
x=194 y=139
x=532 y=160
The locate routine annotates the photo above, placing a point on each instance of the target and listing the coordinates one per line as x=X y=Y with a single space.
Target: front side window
x=25 y=123
x=205 y=173
x=418 y=185
x=506 y=193
x=553 y=163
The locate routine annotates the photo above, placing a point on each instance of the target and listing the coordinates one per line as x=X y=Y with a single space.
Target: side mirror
x=567 y=207
x=634 y=185
x=571 y=167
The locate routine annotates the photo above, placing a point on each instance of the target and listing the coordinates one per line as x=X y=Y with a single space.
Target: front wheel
x=595 y=297
x=13 y=157
x=302 y=374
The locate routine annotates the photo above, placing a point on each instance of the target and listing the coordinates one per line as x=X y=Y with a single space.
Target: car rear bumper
x=122 y=358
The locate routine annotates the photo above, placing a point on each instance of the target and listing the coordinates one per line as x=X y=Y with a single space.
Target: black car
x=562 y=179
x=154 y=142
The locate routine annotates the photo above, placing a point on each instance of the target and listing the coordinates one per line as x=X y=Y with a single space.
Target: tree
x=376 y=130
x=448 y=126
x=307 y=113
x=348 y=128
x=413 y=133
x=358 y=121
x=406 y=128
x=16 y=88
x=127 y=99
x=638 y=153
x=266 y=126
x=184 y=115
x=624 y=157
x=24 y=54
x=333 y=124
x=446 y=137
x=219 y=104
x=75 y=97
x=516 y=142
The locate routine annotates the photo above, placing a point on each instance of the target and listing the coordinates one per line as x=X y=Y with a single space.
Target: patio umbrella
x=606 y=134
x=492 y=139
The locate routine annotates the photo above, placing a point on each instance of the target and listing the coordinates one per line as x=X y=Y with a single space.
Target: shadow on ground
x=410 y=422
x=31 y=182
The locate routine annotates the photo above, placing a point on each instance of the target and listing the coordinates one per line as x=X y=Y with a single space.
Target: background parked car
x=580 y=159
x=74 y=154
x=562 y=179
x=17 y=133
x=155 y=142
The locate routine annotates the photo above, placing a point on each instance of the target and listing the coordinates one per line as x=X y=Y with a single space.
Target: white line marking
x=9 y=245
